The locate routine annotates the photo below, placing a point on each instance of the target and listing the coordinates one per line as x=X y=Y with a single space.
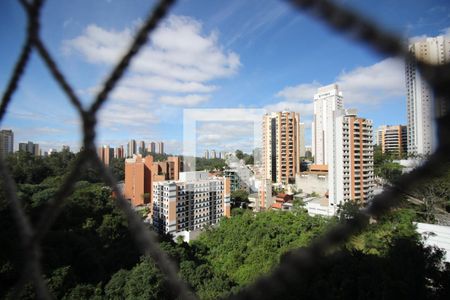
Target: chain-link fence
x=298 y=262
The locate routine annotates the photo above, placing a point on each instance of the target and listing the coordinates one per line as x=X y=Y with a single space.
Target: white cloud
x=227 y=136
x=32 y=132
x=418 y=38
x=224 y=129
x=124 y=113
x=304 y=109
x=188 y=100
x=177 y=52
x=299 y=92
x=162 y=84
x=133 y=94
x=173 y=146
x=98 y=45
x=373 y=84
x=174 y=69
x=27 y=115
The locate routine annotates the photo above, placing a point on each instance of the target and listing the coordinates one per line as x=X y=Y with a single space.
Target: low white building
x=318 y=206
x=312 y=182
x=436 y=235
x=410 y=164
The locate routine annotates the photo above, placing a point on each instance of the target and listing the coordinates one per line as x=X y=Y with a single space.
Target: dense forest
x=89 y=253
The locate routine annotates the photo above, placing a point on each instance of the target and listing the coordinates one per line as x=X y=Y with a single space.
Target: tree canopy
x=89 y=254
x=384 y=165
x=211 y=164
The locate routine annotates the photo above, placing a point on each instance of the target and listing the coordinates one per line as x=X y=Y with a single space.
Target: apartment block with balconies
x=191 y=203
x=281 y=146
x=393 y=139
x=422 y=107
x=351 y=169
x=142 y=172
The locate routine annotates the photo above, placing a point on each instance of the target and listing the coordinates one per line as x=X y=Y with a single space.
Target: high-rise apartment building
x=6 y=142
x=119 y=152
x=105 y=154
x=327 y=103
x=141 y=172
x=131 y=148
x=308 y=151
x=193 y=202
x=36 y=150
x=160 y=147
x=302 y=149
x=30 y=147
x=350 y=168
x=152 y=147
x=393 y=139
x=24 y=147
x=422 y=107
x=213 y=154
x=281 y=144
x=206 y=154
x=141 y=149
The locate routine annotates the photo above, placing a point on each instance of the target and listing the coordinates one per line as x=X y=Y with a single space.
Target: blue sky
x=206 y=54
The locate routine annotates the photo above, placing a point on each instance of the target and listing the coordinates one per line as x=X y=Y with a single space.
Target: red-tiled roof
x=276 y=205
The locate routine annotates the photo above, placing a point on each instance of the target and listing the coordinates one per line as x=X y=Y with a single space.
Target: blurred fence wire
x=295 y=265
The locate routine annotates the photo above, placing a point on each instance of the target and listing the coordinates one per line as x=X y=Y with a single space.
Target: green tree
x=239 y=196
x=249 y=159
x=117 y=167
x=385 y=167
x=61 y=281
x=212 y=164
x=60 y=162
x=249 y=245
x=27 y=168
x=89 y=245
x=115 y=288
x=84 y=291
x=239 y=154
x=433 y=196
x=146 y=282
x=298 y=206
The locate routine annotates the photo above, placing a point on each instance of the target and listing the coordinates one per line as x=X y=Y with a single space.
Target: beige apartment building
x=281 y=146
x=191 y=203
x=351 y=173
x=106 y=154
x=393 y=139
x=119 y=152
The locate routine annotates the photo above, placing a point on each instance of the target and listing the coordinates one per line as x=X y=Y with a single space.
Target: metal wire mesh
x=297 y=263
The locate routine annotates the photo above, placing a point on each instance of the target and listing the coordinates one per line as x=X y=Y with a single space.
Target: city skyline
x=283 y=74
x=154 y=194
